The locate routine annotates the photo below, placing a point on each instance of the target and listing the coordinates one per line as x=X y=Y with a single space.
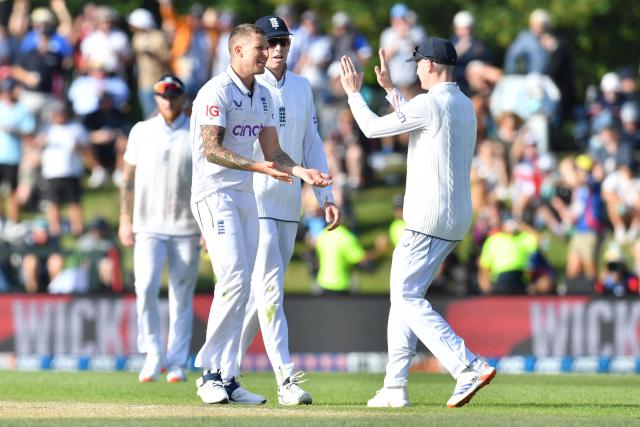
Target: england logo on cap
x=274 y=22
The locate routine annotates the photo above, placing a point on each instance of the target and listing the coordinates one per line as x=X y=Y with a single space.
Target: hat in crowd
x=437 y=50
x=273 y=26
x=610 y=82
x=99 y=224
x=584 y=162
x=629 y=112
x=169 y=86
x=340 y=19
x=463 y=19
x=141 y=18
x=42 y=15
x=399 y=10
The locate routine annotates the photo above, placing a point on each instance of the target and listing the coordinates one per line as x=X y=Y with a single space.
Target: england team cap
x=436 y=50
x=273 y=26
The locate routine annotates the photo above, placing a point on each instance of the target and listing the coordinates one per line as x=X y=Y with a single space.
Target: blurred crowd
x=552 y=179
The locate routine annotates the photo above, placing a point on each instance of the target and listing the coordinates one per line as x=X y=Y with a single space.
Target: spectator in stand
x=606 y=146
x=629 y=84
x=152 y=54
x=468 y=47
x=609 y=98
x=560 y=69
x=191 y=48
x=43 y=21
x=64 y=142
x=526 y=54
x=629 y=116
x=398 y=42
x=85 y=91
x=107 y=44
x=41 y=260
x=616 y=279
x=345 y=152
x=7 y=51
x=99 y=255
x=222 y=58
x=346 y=41
x=489 y=176
x=108 y=128
x=621 y=193
x=16 y=123
x=39 y=71
x=584 y=215
x=481 y=79
x=315 y=56
x=526 y=175
x=288 y=15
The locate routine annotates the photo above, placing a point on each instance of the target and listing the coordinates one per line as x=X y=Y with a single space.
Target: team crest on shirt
x=265 y=106
x=282 y=115
x=220 y=224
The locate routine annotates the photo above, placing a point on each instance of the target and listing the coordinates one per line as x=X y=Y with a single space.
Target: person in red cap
x=155 y=218
x=437 y=212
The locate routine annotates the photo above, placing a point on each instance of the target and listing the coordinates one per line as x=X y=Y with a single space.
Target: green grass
x=83 y=399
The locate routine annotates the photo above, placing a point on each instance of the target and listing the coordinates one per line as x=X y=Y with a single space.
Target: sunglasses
x=284 y=42
x=418 y=56
x=161 y=88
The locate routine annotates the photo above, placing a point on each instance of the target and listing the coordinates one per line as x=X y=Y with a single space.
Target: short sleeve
x=210 y=108
x=131 y=152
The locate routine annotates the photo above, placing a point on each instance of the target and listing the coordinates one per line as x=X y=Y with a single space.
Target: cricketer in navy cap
x=273 y=26
x=436 y=50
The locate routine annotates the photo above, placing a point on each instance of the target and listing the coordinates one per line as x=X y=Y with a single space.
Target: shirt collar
x=236 y=81
x=270 y=78
x=177 y=123
x=443 y=86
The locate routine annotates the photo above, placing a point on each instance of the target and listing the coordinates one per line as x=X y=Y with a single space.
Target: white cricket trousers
x=149 y=255
x=228 y=220
x=265 y=307
x=416 y=261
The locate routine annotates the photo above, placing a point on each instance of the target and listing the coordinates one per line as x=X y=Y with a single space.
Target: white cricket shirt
x=297 y=126
x=162 y=157
x=442 y=139
x=225 y=101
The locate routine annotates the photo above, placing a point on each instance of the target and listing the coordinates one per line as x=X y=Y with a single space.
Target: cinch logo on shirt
x=246 y=130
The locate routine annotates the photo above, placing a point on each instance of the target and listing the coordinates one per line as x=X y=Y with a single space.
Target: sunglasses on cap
x=416 y=56
x=168 y=88
x=282 y=41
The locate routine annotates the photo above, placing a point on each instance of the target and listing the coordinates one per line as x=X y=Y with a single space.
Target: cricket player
x=157 y=179
x=229 y=113
x=279 y=206
x=437 y=212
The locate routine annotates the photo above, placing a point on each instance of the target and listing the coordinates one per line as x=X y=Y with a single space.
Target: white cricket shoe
x=470 y=381
x=290 y=393
x=211 y=389
x=241 y=396
x=176 y=374
x=390 y=397
x=150 y=370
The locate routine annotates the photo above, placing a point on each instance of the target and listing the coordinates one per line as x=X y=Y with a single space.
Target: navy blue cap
x=273 y=26
x=436 y=50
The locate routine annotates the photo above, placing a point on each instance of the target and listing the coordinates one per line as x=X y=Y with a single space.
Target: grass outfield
x=98 y=399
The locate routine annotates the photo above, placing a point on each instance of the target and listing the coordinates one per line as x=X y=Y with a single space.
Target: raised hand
x=383 y=74
x=331 y=215
x=350 y=78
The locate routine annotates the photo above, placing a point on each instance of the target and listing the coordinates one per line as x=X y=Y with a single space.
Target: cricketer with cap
x=156 y=218
x=437 y=211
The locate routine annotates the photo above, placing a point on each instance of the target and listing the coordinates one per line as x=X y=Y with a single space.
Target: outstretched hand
x=312 y=176
x=350 y=78
x=383 y=74
x=331 y=215
x=272 y=169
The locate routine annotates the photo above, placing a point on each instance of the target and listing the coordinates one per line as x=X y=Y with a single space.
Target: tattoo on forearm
x=126 y=196
x=283 y=159
x=212 y=137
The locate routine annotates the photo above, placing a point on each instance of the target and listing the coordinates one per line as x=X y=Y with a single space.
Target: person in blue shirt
x=526 y=54
x=15 y=123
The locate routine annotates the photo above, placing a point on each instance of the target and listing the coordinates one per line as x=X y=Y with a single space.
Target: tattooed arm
x=272 y=151
x=212 y=137
x=125 y=230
